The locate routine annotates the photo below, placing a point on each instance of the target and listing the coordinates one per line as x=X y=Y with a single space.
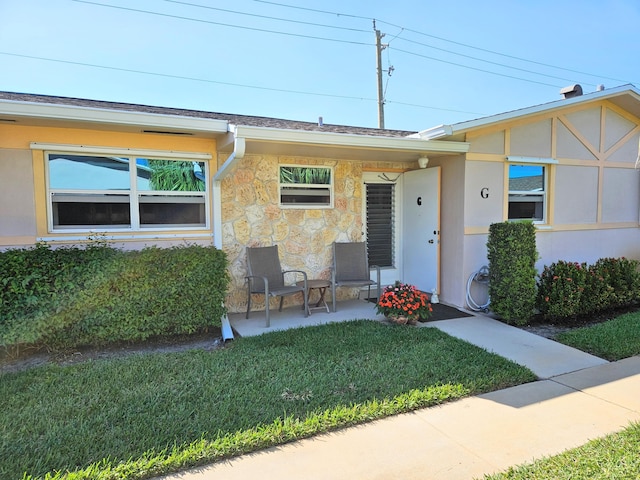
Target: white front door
x=421 y=228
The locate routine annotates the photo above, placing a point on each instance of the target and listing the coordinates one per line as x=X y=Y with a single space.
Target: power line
x=493 y=52
x=493 y=63
x=181 y=77
x=178 y=17
x=204 y=80
x=362 y=43
x=475 y=68
x=267 y=17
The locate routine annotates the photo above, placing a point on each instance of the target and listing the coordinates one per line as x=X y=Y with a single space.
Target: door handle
x=431 y=241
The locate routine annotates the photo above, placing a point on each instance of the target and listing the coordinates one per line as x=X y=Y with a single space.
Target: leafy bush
x=512 y=275
x=567 y=290
x=37 y=279
x=623 y=278
x=561 y=288
x=121 y=296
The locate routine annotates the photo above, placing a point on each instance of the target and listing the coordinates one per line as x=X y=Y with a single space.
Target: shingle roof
x=231 y=118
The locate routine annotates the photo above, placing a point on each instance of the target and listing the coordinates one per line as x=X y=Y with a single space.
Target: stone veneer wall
x=251 y=216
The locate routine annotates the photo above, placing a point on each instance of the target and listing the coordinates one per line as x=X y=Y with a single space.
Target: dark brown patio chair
x=351 y=269
x=266 y=277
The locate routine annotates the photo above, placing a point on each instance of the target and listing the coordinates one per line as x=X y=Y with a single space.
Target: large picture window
x=527 y=192
x=121 y=192
x=306 y=187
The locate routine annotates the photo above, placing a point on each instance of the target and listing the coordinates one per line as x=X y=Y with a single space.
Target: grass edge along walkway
x=279 y=432
x=366 y=346
x=609 y=457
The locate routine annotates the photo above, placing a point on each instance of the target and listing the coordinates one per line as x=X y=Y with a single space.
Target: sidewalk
x=579 y=397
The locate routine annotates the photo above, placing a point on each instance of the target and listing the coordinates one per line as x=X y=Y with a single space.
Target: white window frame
x=543 y=194
x=133 y=193
x=320 y=188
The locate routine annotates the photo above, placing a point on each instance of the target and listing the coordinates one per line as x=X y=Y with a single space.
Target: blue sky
x=299 y=60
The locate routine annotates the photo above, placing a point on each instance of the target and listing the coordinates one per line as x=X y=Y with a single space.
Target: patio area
x=355 y=309
x=293 y=317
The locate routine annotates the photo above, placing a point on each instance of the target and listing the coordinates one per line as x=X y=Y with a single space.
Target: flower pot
x=401 y=320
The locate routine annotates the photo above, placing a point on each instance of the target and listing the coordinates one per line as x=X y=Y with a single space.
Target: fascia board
x=346 y=140
x=112 y=117
x=449 y=130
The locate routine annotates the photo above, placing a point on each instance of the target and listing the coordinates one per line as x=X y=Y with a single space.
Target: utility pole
x=379 y=48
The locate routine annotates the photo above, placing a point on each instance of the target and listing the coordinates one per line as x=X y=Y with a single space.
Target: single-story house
x=73 y=169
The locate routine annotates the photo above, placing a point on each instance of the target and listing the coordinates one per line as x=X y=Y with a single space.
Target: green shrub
x=125 y=296
x=623 y=278
x=561 y=288
x=567 y=290
x=512 y=275
x=37 y=279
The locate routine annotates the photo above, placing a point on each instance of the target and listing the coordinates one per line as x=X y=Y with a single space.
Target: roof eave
x=249 y=139
x=444 y=131
x=98 y=116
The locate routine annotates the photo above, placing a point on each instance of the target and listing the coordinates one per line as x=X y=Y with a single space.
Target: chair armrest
x=250 y=278
x=304 y=275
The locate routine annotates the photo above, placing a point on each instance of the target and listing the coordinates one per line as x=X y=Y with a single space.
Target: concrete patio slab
x=294 y=318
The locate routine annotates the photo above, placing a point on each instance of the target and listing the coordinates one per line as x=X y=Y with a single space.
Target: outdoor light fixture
x=423 y=162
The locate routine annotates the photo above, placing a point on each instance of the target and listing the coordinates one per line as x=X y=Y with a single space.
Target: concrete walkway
x=578 y=398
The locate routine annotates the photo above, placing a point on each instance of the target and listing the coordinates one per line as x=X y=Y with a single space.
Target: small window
x=527 y=192
x=93 y=191
x=306 y=187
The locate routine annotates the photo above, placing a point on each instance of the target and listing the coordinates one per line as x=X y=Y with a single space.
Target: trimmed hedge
x=568 y=290
x=69 y=297
x=512 y=256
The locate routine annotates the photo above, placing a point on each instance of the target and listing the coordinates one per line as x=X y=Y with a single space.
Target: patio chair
x=351 y=269
x=266 y=277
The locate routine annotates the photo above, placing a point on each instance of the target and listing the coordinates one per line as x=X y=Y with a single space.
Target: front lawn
x=144 y=415
x=612 y=340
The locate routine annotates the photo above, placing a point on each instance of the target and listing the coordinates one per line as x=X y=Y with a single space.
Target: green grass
x=612 y=340
x=612 y=457
x=145 y=415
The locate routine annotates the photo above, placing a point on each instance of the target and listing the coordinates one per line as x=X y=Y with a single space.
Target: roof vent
x=571 y=91
x=320 y=121
x=600 y=88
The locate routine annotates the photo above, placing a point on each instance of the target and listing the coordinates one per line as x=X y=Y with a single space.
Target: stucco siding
x=587 y=122
x=451 y=228
x=492 y=143
x=484 y=193
x=616 y=128
x=620 y=195
x=17 y=205
x=532 y=140
x=569 y=146
x=576 y=199
x=626 y=151
x=587 y=246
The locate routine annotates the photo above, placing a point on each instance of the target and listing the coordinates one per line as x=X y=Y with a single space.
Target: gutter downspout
x=239 y=145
